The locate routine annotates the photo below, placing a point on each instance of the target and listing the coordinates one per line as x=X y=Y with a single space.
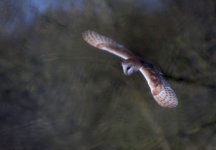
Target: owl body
x=160 y=89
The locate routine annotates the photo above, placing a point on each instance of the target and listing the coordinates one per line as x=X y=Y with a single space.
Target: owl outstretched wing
x=160 y=89
x=104 y=43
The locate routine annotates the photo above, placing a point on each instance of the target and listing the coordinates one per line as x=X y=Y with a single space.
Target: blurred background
x=58 y=93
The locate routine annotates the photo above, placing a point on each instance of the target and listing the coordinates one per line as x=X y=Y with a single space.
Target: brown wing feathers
x=160 y=89
x=107 y=44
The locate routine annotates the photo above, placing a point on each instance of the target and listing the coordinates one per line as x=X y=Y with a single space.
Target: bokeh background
x=58 y=93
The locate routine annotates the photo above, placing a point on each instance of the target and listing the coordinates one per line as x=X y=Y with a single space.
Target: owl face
x=130 y=66
x=128 y=69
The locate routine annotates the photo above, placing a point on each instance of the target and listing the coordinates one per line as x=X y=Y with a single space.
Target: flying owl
x=160 y=89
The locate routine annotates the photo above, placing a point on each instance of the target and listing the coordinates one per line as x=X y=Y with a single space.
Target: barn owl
x=160 y=89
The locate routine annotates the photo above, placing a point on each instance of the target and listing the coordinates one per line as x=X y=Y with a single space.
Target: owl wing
x=105 y=43
x=160 y=89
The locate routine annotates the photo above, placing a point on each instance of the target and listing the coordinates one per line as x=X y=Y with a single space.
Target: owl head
x=130 y=66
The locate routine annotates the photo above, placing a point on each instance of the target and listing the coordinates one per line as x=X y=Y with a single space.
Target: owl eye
x=128 y=68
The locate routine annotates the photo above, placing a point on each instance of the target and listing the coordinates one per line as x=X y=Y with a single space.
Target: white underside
x=144 y=73
x=115 y=53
